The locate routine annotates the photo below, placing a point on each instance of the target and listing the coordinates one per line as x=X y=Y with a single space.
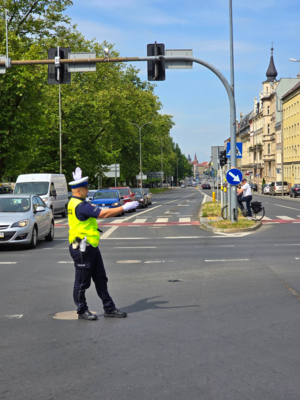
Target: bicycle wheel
x=258 y=216
x=224 y=212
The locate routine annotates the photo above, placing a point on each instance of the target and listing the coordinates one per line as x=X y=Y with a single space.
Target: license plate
x=103 y=208
x=1 y=234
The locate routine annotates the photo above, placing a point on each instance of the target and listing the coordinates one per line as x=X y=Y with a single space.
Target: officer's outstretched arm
x=113 y=212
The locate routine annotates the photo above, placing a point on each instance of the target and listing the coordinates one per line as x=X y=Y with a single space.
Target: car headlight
x=142 y=199
x=20 y=224
x=115 y=204
x=95 y=205
x=45 y=198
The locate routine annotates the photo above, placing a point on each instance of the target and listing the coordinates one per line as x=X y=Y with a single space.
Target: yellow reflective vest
x=88 y=228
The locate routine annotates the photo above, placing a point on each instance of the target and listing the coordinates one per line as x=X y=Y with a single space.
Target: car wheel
x=33 y=243
x=65 y=213
x=134 y=210
x=50 y=235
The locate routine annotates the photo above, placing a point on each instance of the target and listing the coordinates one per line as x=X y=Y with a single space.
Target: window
x=268 y=129
x=297 y=106
x=269 y=148
x=268 y=110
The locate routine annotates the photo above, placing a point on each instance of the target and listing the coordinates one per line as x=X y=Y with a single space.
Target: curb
x=205 y=225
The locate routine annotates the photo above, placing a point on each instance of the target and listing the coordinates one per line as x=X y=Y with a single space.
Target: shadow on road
x=145 y=304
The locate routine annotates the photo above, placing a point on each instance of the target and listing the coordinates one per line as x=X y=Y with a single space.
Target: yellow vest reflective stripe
x=88 y=228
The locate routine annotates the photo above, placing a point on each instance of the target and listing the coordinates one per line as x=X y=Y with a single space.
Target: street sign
x=114 y=171
x=155 y=174
x=179 y=64
x=91 y=67
x=138 y=177
x=239 y=150
x=234 y=176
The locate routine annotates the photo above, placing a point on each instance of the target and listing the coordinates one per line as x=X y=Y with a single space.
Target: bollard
x=214 y=196
x=222 y=197
x=225 y=203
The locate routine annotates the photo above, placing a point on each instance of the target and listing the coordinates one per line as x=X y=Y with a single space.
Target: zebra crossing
x=281 y=219
x=162 y=221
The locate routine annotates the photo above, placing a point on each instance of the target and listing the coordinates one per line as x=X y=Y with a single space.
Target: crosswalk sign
x=239 y=150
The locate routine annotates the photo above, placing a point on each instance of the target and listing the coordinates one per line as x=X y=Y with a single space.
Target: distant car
x=5 y=189
x=276 y=188
x=149 y=195
x=105 y=199
x=183 y=185
x=295 y=190
x=24 y=219
x=141 y=197
x=253 y=187
x=265 y=188
x=126 y=193
x=205 y=186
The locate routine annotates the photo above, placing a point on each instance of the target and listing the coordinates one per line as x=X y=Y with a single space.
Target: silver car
x=276 y=188
x=149 y=195
x=24 y=219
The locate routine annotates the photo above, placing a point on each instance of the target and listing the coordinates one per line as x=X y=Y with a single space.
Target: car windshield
x=124 y=192
x=137 y=191
x=14 y=205
x=280 y=183
x=40 y=188
x=91 y=193
x=106 y=195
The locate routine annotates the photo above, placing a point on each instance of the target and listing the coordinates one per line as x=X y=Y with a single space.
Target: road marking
x=118 y=221
x=267 y=219
x=14 y=316
x=162 y=220
x=225 y=245
x=237 y=259
x=284 y=217
x=184 y=220
x=269 y=223
x=139 y=221
x=108 y=232
x=155 y=227
x=290 y=244
x=9 y=262
x=65 y=262
x=183 y=205
x=129 y=261
x=291 y=208
x=157 y=262
x=295 y=222
x=144 y=247
x=170 y=212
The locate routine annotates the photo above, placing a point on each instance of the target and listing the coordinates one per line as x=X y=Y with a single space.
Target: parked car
x=108 y=198
x=276 y=188
x=52 y=188
x=90 y=195
x=24 y=219
x=205 y=186
x=183 y=185
x=5 y=189
x=295 y=190
x=141 y=197
x=149 y=195
x=253 y=186
x=265 y=188
x=126 y=193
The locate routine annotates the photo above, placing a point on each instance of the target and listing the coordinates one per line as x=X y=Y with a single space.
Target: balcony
x=269 y=157
x=256 y=147
x=269 y=138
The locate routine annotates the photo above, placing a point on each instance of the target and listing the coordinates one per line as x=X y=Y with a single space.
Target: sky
x=196 y=98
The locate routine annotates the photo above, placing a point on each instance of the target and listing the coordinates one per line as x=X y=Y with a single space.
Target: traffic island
x=210 y=219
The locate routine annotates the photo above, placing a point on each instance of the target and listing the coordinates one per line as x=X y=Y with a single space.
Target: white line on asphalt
x=266 y=219
x=284 y=217
x=9 y=262
x=170 y=212
x=184 y=220
x=290 y=244
x=155 y=227
x=146 y=247
x=295 y=222
x=279 y=205
x=225 y=245
x=108 y=232
x=130 y=226
x=156 y=262
x=14 y=316
x=237 y=259
x=65 y=262
x=162 y=220
x=269 y=223
x=140 y=221
x=297 y=258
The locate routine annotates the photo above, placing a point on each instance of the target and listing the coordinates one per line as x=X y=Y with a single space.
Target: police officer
x=84 y=238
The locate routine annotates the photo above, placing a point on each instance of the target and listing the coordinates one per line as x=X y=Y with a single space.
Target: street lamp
x=140 y=129
x=177 y=170
x=294 y=60
x=162 y=165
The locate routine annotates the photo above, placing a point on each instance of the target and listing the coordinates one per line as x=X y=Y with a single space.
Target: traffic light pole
x=228 y=88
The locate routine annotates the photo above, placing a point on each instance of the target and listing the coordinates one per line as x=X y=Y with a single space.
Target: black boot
x=88 y=315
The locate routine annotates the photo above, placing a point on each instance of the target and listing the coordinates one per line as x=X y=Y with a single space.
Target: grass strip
x=155 y=191
x=211 y=209
x=242 y=223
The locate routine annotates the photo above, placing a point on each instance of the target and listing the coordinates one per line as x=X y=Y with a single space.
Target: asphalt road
x=210 y=316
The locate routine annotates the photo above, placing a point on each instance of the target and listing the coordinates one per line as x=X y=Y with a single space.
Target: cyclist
x=246 y=193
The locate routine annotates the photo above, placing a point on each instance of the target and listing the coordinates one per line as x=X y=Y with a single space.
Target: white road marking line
x=156 y=262
x=170 y=212
x=295 y=222
x=266 y=219
x=184 y=220
x=14 y=316
x=162 y=220
x=269 y=223
x=237 y=259
x=130 y=226
x=139 y=221
x=118 y=221
x=182 y=205
x=65 y=262
x=225 y=245
x=155 y=227
x=297 y=258
x=144 y=247
x=108 y=232
x=284 y=217
x=279 y=205
x=9 y=262
x=154 y=202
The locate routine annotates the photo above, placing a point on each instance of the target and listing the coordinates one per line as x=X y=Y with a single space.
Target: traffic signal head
x=222 y=158
x=58 y=74
x=156 y=69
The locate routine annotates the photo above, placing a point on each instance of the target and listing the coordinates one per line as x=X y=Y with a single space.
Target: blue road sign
x=234 y=176
x=239 y=150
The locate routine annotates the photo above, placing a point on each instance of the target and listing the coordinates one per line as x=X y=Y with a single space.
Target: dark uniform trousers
x=90 y=265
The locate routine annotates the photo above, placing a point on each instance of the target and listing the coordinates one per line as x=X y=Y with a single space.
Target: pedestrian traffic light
x=222 y=158
x=156 y=69
x=58 y=73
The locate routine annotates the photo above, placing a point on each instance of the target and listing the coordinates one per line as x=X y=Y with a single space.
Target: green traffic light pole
x=233 y=204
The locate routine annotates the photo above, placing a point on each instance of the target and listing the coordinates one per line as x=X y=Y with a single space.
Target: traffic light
x=156 y=69
x=222 y=158
x=58 y=73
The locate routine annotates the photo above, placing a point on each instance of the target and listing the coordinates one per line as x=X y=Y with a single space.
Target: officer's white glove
x=130 y=205
x=77 y=174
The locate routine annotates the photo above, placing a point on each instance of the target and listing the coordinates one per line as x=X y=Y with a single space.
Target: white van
x=52 y=189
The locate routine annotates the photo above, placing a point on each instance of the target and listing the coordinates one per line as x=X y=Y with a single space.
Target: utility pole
x=161 y=156
x=140 y=133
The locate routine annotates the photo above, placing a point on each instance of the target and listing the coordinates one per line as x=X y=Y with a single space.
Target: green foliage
x=263 y=181
x=98 y=109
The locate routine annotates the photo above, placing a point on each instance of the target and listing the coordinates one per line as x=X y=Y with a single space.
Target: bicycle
x=258 y=211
